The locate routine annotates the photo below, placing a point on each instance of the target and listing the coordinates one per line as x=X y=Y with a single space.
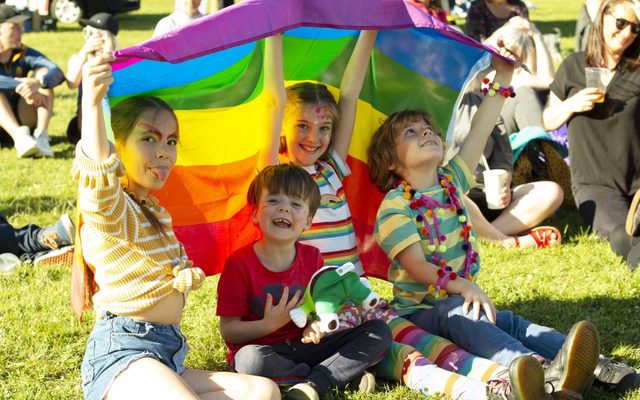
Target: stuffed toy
x=331 y=287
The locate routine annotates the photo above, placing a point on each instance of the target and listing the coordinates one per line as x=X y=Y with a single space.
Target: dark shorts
x=116 y=342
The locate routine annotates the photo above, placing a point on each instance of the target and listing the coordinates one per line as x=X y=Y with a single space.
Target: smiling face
x=417 y=145
x=149 y=151
x=307 y=130
x=281 y=218
x=617 y=40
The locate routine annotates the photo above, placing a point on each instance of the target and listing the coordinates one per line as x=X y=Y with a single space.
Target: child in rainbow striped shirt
x=423 y=228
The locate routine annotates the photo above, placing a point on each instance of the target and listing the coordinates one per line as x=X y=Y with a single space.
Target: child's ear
x=309 y=220
x=254 y=215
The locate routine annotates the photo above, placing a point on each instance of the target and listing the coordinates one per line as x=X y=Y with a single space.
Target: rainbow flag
x=210 y=72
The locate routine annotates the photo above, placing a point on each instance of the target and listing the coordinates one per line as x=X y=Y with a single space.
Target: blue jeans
x=511 y=336
x=116 y=342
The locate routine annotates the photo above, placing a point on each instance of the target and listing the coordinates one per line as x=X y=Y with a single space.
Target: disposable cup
x=597 y=78
x=495 y=180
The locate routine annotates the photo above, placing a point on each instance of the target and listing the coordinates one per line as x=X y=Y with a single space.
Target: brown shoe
x=526 y=376
x=570 y=375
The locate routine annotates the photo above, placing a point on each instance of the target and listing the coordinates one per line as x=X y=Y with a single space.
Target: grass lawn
x=41 y=342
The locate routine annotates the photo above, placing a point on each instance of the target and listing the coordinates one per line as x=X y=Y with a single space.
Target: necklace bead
x=424 y=207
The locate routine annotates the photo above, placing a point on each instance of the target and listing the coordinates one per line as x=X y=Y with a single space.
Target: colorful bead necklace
x=428 y=208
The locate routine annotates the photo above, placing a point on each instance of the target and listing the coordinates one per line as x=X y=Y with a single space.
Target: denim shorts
x=116 y=342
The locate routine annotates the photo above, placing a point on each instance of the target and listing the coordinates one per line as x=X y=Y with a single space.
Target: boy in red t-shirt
x=263 y=281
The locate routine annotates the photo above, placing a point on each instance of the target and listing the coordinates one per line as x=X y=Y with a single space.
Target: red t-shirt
x=245 y=283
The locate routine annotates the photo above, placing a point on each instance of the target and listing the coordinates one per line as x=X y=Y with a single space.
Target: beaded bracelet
x=491 y=88
x=445 y=275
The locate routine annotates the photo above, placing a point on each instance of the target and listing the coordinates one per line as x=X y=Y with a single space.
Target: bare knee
x=262 y=389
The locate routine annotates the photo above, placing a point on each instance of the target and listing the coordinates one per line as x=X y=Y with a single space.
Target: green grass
x=41 y=343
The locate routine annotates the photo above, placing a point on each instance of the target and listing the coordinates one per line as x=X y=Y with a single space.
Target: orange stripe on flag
x=207 y=193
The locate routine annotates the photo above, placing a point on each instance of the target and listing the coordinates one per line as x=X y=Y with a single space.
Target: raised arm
x=276 y=98
x=350 y=88
x=485 y=118
x=95 y=84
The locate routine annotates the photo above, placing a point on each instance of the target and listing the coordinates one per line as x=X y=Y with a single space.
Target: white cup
x=495 y=181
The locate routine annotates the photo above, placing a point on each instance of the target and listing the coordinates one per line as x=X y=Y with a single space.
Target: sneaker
x=365 y=383
x=301 y=391
x=42 y=140
x=24 y=143
x=61 y=234
x=63 y=256
x=632 y=225
x=570 y=374
x=616 y=376
x=526 y=377
x=8 y=262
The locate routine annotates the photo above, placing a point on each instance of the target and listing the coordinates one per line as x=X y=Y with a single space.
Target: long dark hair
x=596 y=47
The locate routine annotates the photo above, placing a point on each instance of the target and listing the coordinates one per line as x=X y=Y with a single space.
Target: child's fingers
x=269 y=302
x=490 y=312
x=476 y=310
x=465 y=307
x=285 y=297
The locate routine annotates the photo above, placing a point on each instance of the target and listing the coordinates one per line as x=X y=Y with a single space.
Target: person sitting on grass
x=131 y=267
x=262 y=282
x=26 y=102
x=423 y=228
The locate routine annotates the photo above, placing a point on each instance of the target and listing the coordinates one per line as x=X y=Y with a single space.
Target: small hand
x=584 y=100
x=505 y=195
x=92 y=46
x=96 y=78
x=473 y=294
x=278 y=315
x=502 y=66
x=312 y=333
x=27 y=87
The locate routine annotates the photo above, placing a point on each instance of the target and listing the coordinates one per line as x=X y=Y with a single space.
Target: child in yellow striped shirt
x=134 y=270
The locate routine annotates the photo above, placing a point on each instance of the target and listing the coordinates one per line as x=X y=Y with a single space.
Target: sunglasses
x=622 y=23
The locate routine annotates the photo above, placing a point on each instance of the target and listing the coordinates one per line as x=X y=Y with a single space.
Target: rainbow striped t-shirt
x=331 y=229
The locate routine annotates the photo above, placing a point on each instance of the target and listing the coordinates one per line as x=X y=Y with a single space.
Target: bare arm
x=276 y=98
x=485 y=118
x=235 y=330
x=96 y=80
x=412 y=259
x=350 y=88
x=557 y=112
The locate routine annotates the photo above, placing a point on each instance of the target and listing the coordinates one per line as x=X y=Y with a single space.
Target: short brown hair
x=288 y=179
x=596 y=48
x=382 y=154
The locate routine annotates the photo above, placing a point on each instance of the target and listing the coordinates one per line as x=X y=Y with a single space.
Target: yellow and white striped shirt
x=135 y=265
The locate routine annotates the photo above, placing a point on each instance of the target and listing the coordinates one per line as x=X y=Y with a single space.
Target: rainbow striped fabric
x=210 y=72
